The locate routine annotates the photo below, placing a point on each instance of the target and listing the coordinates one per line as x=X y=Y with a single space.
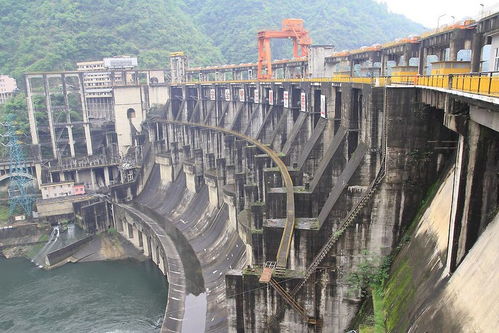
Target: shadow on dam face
x=195 y=306
x=192 y=268
x=206 y=248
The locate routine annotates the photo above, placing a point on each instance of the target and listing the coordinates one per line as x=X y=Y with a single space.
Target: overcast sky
x=427 y=12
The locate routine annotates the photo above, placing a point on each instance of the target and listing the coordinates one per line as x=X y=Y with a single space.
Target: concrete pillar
x=92 y=179
x=162 y=264
x=140 y=239
x=86 y=125
x=146 y=245
x=49 y=115
x=119 y=225
x=165 y=168
x=154 y=252
x=211 y=181
x=38 y=171
x=129 y=230
x=137 y=237
x=71 y=141
x=422 y=59
x=230 y=201
x=455 y=46
x=31 y=113
x=107 y=181
x=190 y=177
x=476 y=52
x=62 y=177
x=77 y=176
x=456 y=207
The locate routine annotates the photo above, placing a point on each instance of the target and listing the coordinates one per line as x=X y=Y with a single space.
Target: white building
x=8 y=87
x=98 y=79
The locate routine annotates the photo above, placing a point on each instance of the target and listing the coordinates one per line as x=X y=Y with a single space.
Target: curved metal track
x=287 y=235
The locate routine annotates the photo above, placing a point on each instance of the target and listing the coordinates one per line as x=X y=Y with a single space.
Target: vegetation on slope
x=345 y=24
x=389 y=282
x=54 y=34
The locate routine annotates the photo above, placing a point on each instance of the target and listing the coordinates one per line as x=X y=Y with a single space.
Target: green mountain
x=54 y=34
x=347 y=24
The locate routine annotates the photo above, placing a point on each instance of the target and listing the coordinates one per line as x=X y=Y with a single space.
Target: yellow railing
x=484 y=84
x=480 y=83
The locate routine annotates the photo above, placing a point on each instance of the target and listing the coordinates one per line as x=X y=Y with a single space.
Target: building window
x=496 y=60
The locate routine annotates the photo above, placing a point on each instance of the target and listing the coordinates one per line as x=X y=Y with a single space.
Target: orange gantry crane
x=292 y=29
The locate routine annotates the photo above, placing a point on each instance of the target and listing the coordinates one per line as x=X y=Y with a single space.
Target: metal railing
x=476 y=83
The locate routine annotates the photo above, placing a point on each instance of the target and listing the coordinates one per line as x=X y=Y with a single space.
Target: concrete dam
x=258 y=198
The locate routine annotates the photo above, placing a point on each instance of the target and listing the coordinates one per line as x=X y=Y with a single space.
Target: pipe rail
x=287 y=235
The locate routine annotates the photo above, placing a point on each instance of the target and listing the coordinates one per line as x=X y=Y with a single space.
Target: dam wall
x=422 y=296
x=335 y=139
x=225 y=159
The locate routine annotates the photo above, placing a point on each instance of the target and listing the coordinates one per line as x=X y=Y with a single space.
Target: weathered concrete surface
x=398 y=124
x=22 y=234
x=216 y=246
x=421 y=297
x=169 y=261
x=107 y=246
x=57 y=256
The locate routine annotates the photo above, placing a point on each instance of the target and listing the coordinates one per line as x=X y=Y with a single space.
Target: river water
x=108 y=296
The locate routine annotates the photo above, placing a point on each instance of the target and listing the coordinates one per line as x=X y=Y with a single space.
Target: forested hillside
x=54 y=34
x=347 y=24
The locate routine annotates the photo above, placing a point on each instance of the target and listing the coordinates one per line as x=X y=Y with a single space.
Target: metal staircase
x=289 y=297
x=291 y=301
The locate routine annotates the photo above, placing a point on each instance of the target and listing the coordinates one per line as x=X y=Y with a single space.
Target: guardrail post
x=479 y=82
x=490 y=82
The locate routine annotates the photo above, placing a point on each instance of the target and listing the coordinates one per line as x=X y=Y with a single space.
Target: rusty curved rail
x=287 y=235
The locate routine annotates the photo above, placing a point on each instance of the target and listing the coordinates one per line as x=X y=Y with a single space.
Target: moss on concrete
x=364 y=319
x=400 y=289
x=398 y=294
x=378 y=305
x=391 y=298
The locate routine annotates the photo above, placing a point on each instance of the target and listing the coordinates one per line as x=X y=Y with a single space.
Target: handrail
x=287 y=234
x=486 y=83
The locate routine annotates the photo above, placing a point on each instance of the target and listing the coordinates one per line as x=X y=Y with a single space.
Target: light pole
x=438 y=20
